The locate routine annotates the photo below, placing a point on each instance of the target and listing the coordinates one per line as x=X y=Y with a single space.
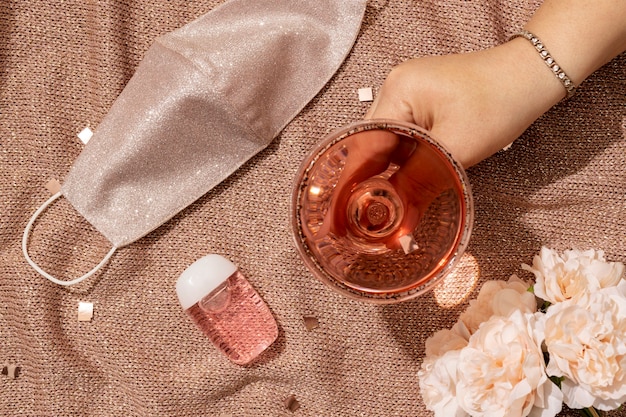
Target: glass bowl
x=380 y=211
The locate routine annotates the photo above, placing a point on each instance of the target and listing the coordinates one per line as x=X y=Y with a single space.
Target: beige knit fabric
x=562 y=184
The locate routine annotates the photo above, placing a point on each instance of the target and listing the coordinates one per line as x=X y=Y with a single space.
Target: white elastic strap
x=38 y=268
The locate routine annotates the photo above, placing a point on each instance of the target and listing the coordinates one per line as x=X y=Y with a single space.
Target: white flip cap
x=202 y=277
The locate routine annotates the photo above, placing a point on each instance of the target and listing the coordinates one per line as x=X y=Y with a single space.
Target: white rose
x=560 y=278
x=437 y=382
x=437 y=375
x=446 y=340
x=586 y=340
x=501 y=372
x=499 y=298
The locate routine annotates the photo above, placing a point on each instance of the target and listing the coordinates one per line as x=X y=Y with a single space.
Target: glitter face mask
x=204 y=100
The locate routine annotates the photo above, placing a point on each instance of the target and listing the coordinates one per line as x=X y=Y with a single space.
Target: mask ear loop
x=38 y=268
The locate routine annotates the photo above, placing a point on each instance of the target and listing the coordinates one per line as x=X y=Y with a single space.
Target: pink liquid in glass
x=236 y=319
x=363 y=258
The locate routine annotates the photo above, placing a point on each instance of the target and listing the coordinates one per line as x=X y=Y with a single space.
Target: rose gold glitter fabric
x=62 y=65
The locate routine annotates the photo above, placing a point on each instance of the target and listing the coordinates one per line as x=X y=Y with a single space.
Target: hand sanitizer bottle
x=223 y=304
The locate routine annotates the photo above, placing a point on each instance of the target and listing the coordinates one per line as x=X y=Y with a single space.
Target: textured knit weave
x=562 y=184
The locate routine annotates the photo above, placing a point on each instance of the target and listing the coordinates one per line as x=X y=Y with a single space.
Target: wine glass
x=381 y=211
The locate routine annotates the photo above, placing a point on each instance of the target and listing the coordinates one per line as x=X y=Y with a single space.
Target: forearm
x=582 y=35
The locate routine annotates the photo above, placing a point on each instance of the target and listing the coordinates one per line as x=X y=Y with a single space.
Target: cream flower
x=560 y=278
x=437 y=382
x=586 y=340
x=437 y=375
x=501 y=372
x=446 y=340
x=498 y=298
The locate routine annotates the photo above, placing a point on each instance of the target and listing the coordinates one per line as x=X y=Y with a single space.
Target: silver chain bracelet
x=556 y=69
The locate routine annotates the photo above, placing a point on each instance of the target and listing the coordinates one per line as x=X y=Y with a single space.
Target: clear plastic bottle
x=223 y=304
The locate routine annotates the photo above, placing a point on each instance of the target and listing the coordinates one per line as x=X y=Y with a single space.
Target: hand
x=474 y=104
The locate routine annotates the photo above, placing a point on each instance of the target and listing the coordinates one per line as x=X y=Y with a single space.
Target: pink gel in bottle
x=223 y=304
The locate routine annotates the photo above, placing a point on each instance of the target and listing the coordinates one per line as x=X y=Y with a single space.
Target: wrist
x=581 y=35
x=495 y=94
x=515 y=89
x=534 y=84
x=548 y=59
x=527 y=87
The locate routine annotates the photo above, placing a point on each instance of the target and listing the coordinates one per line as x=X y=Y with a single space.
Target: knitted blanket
x=562 y=184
